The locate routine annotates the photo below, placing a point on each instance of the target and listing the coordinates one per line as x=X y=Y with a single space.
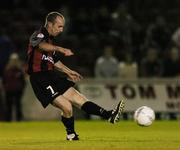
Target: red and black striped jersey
x=37 y=59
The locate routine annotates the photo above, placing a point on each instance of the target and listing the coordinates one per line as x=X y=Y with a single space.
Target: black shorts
x=48 y=85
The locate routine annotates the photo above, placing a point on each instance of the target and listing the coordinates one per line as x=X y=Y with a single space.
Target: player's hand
x=74 y=76
x=68 y=52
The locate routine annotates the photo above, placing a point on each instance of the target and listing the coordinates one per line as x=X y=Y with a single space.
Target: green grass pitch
x=94 y=135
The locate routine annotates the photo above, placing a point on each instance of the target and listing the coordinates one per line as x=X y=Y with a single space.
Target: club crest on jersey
x=40 y=35
x=47 y=58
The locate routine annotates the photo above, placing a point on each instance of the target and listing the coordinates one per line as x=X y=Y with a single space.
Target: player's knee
x=79 y=99
x=67 y=111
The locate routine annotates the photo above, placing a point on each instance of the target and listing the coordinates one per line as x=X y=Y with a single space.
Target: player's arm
x=38 y=40
x=73 y=75
x=50 y=47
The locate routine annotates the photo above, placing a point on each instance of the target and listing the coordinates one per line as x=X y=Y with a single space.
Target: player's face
x=57 y=26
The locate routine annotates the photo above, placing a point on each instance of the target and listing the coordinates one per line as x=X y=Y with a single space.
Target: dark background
x=90 y=25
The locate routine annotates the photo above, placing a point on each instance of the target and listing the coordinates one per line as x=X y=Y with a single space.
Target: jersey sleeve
x=36 y=38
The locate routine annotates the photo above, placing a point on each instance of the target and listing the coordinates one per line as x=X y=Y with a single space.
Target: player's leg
x=67 y=117
x=46 y=90
x=62 y=103
x=91 y=108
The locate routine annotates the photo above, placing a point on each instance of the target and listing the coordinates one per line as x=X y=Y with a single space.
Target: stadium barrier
x=162 y=95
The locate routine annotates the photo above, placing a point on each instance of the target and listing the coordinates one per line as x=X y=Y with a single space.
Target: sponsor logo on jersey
x=47 y=58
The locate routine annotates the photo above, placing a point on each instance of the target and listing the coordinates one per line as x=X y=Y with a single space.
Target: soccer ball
x=144 y=116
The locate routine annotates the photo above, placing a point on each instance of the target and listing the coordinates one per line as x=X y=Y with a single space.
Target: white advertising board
x=162 y=96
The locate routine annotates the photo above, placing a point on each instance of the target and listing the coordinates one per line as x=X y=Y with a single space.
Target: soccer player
x=50 y=88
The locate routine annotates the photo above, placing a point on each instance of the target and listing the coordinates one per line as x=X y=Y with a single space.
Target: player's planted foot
x=116 y=112
x=72 y=137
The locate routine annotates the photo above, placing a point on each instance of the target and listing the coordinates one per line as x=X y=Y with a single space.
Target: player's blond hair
x=52 y=16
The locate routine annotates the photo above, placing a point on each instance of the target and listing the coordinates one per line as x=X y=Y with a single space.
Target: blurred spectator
x=106 y=65
x=176 y=37
x=14 y=83
x=102 y=20
x=6 y=47
x=128 y=68
x=124 y=26
x=2 y=112
x=151 y=65
x=82 y=24
x=158 y=33
x=172 y=64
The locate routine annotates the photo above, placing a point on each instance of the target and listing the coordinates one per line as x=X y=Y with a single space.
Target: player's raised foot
x=116 y=112
x=72 y=137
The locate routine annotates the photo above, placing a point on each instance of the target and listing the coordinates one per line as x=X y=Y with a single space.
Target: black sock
x=69 y=124
x=94 y=109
